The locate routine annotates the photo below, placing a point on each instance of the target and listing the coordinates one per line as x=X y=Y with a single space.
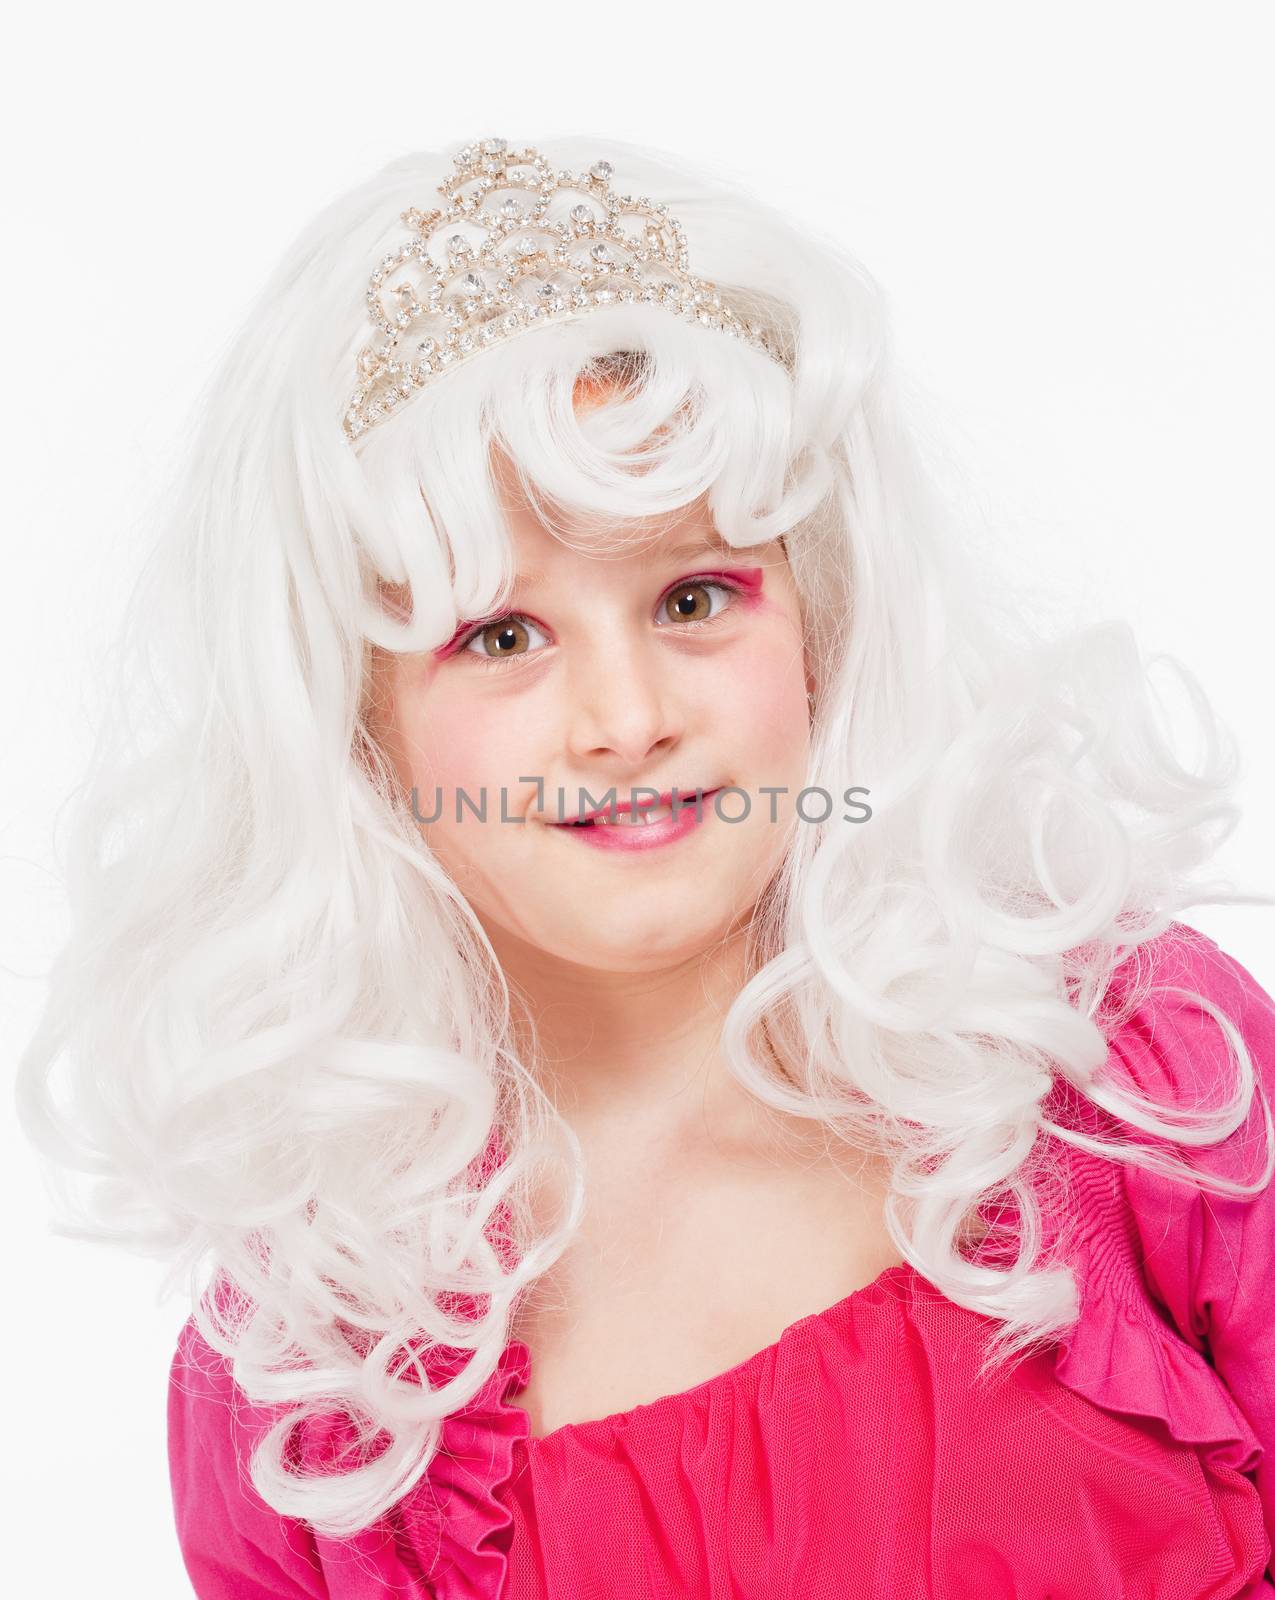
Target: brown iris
x=678 y=599
x=502 y=633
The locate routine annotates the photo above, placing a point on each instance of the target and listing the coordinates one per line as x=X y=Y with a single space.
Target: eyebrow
x=703 y=546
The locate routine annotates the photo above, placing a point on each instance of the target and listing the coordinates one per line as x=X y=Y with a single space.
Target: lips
x=645 y=814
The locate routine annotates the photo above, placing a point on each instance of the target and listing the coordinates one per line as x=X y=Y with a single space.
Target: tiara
x=527 y=268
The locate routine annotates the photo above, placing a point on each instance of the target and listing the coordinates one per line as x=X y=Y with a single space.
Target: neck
x=632 y=1055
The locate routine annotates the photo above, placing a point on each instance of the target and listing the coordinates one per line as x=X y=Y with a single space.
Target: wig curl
x=277 y=1049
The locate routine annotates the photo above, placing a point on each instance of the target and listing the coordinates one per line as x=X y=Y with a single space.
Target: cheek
x=766 y=684
x=451 y=750
x=457 y=749
x=449 y=746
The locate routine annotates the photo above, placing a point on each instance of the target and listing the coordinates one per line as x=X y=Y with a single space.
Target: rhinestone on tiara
x=525 y=268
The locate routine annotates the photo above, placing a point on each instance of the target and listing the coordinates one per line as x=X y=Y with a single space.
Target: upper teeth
x=631 y=818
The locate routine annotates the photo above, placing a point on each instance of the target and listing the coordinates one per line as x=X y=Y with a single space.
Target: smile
x=644 y=829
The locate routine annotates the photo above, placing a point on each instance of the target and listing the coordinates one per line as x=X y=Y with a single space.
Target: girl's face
x=678 y=664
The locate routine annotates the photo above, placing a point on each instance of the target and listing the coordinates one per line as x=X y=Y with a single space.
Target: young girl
x=653 y=1015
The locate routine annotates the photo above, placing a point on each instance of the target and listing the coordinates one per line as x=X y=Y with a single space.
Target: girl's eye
x=682 y=603
x=688 y=604
x=504 y=636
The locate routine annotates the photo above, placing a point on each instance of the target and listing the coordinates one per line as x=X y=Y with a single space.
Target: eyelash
x=698 y=580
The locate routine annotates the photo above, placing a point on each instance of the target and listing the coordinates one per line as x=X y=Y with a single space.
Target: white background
x=1071 y=213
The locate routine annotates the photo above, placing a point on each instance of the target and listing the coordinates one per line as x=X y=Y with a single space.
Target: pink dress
x=858 y=1455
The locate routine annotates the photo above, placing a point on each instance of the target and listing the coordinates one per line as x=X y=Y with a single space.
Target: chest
x=678 y=1276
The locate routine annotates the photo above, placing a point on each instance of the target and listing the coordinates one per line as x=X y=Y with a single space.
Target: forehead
x=544 y=537
x=538 y=562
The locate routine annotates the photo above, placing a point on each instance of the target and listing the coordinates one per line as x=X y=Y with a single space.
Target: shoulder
x=232 y=1542
x=238 y=1547
x=1179 y=1013
x=1196 y=1036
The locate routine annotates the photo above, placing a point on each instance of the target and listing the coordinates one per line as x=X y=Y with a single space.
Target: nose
x=624 y=707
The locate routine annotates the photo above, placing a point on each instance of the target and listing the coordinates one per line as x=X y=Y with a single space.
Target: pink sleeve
x=234 y=1545
x=1210 y=1259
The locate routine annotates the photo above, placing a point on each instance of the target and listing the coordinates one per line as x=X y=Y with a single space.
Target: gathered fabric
x=862 y=1454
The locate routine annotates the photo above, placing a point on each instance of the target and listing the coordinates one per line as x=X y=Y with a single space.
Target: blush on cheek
x=456 y=754
x=766 y=670
x=482 y=755
x=769 y=687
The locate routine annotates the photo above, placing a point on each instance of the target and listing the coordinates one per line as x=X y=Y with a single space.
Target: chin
x=638 y=940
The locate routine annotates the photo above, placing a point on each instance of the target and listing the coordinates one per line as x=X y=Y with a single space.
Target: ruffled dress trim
x=473 y=1464
x=1123 y=1357
x=448 y=1539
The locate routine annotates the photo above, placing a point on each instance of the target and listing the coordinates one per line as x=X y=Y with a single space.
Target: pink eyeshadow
x=748 y=579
